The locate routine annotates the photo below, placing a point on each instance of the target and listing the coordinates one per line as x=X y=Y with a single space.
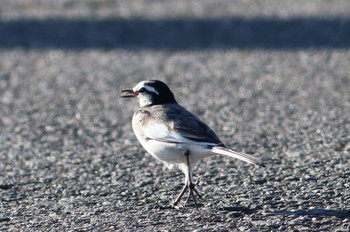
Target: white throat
x=145 y=100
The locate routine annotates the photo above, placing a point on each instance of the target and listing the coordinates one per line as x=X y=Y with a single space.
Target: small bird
x=173 y=135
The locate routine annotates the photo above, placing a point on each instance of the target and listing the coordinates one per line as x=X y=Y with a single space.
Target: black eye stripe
x=142 y=90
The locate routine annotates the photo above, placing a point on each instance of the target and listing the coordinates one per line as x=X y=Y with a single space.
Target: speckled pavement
x=271 y=77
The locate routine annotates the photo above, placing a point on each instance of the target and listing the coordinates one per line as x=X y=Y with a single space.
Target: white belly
x=173 y=153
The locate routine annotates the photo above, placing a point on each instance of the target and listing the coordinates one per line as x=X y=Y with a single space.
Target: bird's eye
x=142 y=90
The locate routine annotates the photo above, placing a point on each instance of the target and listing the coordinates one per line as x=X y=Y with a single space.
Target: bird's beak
x=128 y=93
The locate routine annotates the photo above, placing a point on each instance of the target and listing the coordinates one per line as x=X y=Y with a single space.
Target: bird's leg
x=186 y=170
x=191 y=185
x=188 y=184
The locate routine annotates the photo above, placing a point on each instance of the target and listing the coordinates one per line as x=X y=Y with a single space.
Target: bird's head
x=150 y=92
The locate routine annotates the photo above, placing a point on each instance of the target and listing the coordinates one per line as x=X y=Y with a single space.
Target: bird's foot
x=178 y=198
x=192 y=193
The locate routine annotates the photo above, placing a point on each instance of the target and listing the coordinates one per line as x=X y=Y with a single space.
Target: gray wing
x=189 y=126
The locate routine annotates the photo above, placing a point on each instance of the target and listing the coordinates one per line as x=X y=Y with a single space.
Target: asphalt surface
x=271 y=77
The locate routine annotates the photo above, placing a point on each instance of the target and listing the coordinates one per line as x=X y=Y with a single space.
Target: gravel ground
x=271 y=77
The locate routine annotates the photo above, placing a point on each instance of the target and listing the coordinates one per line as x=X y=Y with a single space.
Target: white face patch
x=145 y=98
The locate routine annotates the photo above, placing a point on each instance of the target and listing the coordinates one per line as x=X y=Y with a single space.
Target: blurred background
x=181 y=25
x=271 y=77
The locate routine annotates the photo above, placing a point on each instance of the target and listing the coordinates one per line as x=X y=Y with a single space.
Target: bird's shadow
x=314 y=212
x=342 y=214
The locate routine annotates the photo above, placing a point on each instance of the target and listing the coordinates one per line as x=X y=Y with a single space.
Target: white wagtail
x=173 y=135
